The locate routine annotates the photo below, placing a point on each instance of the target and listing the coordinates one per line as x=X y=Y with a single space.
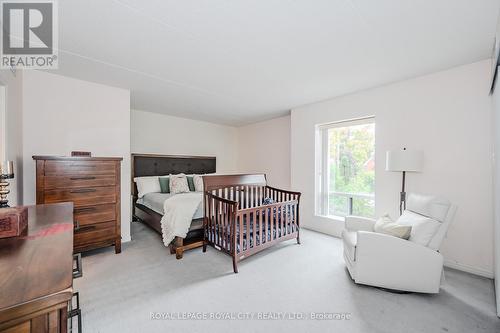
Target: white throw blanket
x=179 y=211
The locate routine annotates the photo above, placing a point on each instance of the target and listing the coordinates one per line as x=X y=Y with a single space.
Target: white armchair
x=386 y=261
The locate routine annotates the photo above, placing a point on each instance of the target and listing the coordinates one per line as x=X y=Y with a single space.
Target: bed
x=149 y=209
x=243 y=216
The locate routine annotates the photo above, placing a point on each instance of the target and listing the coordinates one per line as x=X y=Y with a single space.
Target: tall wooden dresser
x=93 y=185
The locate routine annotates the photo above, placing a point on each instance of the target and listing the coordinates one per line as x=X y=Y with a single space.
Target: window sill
x=331 y=217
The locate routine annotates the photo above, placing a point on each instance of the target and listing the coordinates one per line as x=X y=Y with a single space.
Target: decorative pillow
x=423 y=228
x=198 y=183
x=178 y=184
x=385 y=225
x=190 y=182
x=165 y=184
x=147 y=185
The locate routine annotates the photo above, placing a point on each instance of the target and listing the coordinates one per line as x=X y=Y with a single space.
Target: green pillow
x=165 y=184
x=190 y=183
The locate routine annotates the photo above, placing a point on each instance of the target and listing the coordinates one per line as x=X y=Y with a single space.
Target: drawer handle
x=83 y=190
x=86 y=228
x=77 y=225
x=82 y=178
x=82 y=210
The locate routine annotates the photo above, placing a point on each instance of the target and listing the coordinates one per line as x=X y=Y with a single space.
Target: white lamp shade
x=404 y=160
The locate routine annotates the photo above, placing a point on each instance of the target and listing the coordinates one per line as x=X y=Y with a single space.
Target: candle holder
x=6 y=172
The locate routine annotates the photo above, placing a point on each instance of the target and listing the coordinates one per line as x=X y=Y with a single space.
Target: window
x=345 y=165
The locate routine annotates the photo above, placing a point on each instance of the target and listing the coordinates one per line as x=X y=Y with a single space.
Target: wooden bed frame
x=161 y=165
x=237 y=220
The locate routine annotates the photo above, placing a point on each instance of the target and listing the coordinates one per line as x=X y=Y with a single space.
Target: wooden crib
x=237 y=219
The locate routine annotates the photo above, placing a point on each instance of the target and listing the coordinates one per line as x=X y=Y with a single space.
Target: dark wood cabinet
x=36 y=272
x=93 y=185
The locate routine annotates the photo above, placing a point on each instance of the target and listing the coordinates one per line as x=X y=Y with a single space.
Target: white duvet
x=178 y=214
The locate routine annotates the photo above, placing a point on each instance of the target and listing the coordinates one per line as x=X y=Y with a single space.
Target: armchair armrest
x=395 y=263
x=358 y=223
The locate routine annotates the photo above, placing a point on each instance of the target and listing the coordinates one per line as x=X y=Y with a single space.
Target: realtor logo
x=29 y=34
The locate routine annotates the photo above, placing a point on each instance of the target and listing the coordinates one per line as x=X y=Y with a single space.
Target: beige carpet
x=119 y=293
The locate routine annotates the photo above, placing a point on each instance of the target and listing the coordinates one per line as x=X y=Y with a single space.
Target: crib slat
x=250 y=197
x=295 y=216
x=238 y=196
x=240 y=233
x=227 y=228
x=216 y=221
x=272 y=216
x=223 y=225
x=283 y=211
x=210 y=220
x=261 y=219
x=254 y=222
x=266 y=221
x=289 y=224
x=246 y=193
x=281 y=220
x=289 y=218
x=250 y=216
x=254 y=196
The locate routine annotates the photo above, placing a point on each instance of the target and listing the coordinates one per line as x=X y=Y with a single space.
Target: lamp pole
x=402 y=199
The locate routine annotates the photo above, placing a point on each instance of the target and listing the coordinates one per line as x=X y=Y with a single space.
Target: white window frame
x=321 y=164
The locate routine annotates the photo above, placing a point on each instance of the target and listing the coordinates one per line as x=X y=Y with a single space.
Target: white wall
x=62 y=114
x=447 y=115
x=13 y=144
x=154 y=133
x=496 y=188
x=265 y=147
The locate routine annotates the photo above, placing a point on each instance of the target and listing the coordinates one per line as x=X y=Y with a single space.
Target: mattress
x=154 y=201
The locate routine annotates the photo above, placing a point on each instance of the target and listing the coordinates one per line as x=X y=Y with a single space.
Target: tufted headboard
x=161 y=165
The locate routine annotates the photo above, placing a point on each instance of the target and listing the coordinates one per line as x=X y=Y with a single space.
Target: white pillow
x=145 y=185
x=178 y=184
x=385 y=225
x=198 y=183
x=423 y=229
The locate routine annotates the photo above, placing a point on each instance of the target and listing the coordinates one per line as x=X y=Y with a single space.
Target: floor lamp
x=404 y=161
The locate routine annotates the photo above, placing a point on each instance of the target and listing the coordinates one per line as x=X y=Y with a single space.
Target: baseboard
x=469 y=269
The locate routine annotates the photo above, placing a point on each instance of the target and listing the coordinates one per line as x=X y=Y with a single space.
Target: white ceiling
x=237 y=62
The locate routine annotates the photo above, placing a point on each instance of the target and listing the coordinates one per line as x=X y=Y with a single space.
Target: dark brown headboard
x=161 y=165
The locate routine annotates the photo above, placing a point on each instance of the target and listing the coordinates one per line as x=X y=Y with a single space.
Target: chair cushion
x=430 y=206
x=350 y=238
x=385 y=225
x=423 y=228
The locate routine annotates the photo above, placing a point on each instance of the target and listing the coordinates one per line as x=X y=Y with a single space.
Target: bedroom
x=268 y=88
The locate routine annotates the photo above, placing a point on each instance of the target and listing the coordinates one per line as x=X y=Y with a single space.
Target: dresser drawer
x=95 y=214
x=79 y=168
x=75 y=181
x=82 y=196
x=95 y=233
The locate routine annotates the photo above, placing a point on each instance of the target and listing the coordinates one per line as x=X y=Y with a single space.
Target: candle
x=7 y=169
